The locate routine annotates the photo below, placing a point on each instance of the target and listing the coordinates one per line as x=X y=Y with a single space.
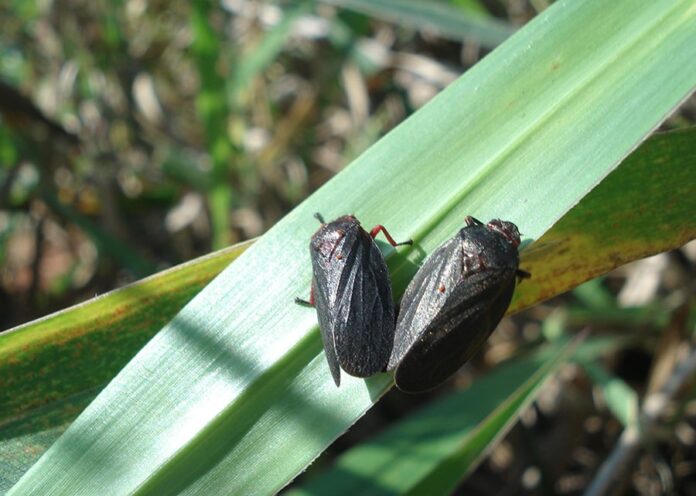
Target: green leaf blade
x=601 y=232
x=243 y=334
x=448 y=21
x=429 y=451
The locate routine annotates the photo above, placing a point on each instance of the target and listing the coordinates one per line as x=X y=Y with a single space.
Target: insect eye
x=442 y=288
x=339 y=257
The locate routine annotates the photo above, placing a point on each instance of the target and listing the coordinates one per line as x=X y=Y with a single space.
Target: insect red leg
x=379 y=227
x=307 y=303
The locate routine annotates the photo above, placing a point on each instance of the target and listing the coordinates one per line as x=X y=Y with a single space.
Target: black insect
x=454 y=302
x=352 y=294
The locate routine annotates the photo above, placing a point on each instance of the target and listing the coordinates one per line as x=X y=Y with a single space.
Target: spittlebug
x=454 y=302
x=353 y=297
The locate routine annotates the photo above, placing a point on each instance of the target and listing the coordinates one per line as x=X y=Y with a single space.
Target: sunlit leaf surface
x=234 y=396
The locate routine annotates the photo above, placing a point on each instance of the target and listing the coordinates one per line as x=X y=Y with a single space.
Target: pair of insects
x=449 y=309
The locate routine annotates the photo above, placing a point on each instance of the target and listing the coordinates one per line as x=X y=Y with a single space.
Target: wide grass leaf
x=658 y=172
x=430 y=451
x=644 y=207
x=606 y=229
x=109 y=330
x=81 y=348
x=234 y=396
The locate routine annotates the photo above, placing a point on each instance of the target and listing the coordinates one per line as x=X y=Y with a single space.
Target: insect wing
x=325 y=326
x=454 y=302
x=363 y=326
x=353 y=299
x=328 y=250
x=471 y=313
x=422 y=300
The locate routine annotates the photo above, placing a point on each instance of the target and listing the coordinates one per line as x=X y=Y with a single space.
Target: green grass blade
x=430 y=451
x=594 y=295
x=632 y=213
x=262 y=54
x=239 y=372
x=658 y=172
x=621 y=399
x=83 y=347
x=471 y=6
x=213 y=110
x=448 y=21
x=25 y=439
x=24 y=430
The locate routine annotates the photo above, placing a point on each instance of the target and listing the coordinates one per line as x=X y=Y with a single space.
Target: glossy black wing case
x=353 y=298
x=452 y=305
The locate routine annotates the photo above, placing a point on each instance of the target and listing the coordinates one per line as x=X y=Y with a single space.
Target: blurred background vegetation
x=139 y=134
x=136 y=134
